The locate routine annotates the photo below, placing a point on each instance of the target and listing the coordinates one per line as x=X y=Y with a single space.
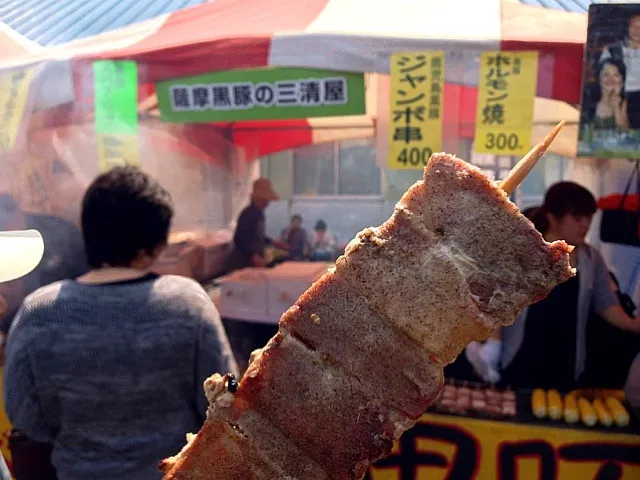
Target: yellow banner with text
x=14 y=92
x=447 y=447
x=415 y=126
x=506 y=95
x=117 y=149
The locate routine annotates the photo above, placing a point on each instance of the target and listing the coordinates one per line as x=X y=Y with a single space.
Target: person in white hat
x=64 y=257
x=20 y=253
x=249 y=239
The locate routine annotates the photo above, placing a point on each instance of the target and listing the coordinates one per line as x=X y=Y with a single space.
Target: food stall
x=443 y=442
x=65 y=124
x=251 y=301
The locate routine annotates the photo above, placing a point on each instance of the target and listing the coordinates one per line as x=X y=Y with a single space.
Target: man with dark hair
x=129 y=202
x=109 y=368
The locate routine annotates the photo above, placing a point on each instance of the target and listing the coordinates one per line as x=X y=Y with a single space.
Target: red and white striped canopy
x=352 y=35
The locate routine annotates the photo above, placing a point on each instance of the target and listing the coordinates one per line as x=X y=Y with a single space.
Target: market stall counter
x=252 y=300
x=472 y=432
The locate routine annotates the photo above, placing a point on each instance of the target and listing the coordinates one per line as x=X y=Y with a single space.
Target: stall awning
x=227 y=34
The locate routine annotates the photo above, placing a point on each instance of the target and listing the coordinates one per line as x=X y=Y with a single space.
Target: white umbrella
x=20 y=253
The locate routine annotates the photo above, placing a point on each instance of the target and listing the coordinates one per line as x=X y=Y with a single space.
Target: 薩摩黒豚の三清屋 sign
x=261 y=94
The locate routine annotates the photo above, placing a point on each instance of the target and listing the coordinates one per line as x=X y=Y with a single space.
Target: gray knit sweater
x=112 y=374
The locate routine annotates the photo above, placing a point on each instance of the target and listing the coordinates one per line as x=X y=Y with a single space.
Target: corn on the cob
x=539 y=403
x=603 y=414
x=554 y=405
x=587 y=413
x=570 y=409
x=619 y=413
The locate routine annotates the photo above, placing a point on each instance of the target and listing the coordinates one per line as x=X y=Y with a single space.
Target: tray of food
x=587 y=408
x=476 y=400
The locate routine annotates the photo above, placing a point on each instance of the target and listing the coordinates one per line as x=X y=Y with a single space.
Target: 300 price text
x=502 y=141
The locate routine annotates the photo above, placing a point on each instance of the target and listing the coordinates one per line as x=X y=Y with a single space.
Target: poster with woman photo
x=610 y=109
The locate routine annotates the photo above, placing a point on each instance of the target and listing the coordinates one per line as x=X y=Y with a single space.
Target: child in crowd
x=323 y=245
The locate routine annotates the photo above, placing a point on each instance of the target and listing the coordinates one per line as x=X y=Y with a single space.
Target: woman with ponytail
x=546 y=346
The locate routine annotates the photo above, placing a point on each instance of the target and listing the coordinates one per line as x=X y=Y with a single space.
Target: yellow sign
x=506 y=93
x=415 y=127
x=447 y=447
x=117 y=149
x=14 y=91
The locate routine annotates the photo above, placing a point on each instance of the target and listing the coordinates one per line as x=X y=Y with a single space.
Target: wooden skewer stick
x=524 y=166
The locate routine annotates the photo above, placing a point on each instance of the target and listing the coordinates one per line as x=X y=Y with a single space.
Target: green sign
x=261 y=94
x=116 y=96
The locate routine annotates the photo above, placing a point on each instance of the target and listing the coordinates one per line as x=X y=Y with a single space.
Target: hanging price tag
x=14 y=91
x=415 y=126
x=506 y=95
